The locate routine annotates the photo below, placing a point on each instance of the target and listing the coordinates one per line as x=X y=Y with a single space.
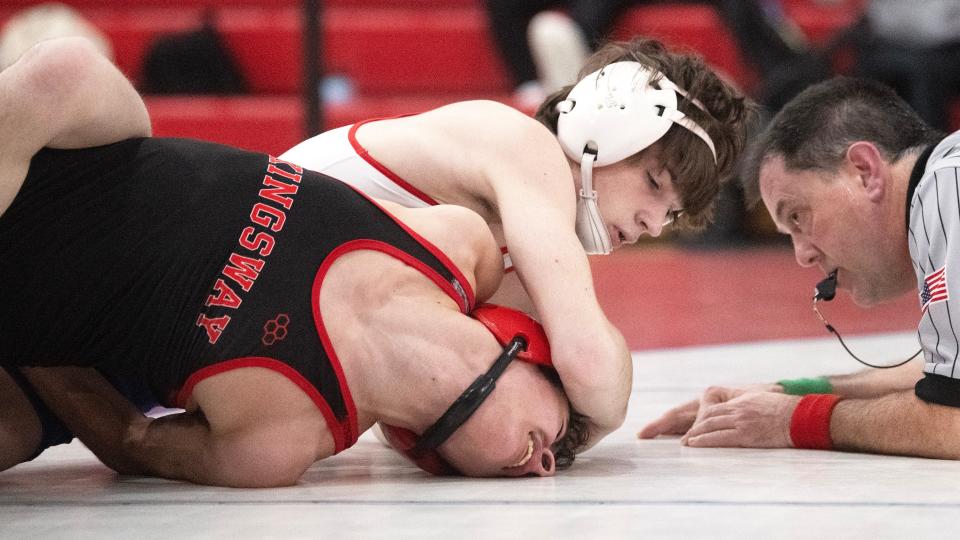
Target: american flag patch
x=934 y=288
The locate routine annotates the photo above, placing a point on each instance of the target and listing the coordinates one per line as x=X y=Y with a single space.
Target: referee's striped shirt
x=934 y=222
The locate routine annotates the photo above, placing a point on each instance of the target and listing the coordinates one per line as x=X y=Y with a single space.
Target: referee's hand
x=731 y=417
x=676 y=421
x=679 y=420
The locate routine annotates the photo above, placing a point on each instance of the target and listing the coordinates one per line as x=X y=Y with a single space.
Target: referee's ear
x=872 y=170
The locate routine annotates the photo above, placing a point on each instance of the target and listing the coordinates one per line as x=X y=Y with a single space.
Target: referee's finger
x=673 y=422
x=715 y=395
x=708 y=425
x=725 y=438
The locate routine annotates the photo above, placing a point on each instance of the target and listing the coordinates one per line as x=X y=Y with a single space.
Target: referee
x=871 y=194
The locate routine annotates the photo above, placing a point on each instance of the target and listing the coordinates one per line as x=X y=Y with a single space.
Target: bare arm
x=533 y=188
x=255 y=432
x=186 y=447
x=868 y=383
x=62 y=94
x=511 y=170
x=71 y=97
x=251 y=427
x=878 y=382
x=898 y=423
x=92 y=409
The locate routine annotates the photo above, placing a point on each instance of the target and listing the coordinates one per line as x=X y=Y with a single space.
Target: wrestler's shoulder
x=475 y=114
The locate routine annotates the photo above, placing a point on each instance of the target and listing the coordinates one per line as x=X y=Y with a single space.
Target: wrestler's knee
x=20 y=429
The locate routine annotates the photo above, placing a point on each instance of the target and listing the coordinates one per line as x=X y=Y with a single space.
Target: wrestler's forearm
x=604 y=401
x=92 y=409
x=588 y=352
x=898 y=423
x=176 y=446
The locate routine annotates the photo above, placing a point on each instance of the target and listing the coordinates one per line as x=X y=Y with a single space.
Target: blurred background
x=265 y=74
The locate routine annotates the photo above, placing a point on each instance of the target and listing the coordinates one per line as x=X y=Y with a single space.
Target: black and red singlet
x=170 y=260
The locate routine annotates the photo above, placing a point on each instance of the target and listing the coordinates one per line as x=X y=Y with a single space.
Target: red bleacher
x=401 y=56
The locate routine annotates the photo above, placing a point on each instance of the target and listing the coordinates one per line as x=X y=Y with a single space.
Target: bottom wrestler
x=283 y=311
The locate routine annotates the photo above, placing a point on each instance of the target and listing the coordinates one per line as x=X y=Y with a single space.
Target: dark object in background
x=783 y=82
x=195 y=62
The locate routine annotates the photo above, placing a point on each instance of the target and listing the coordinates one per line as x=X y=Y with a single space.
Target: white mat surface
x=623 y=488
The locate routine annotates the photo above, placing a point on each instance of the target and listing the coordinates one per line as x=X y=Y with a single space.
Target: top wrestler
x=285 y=312
x=652 y=132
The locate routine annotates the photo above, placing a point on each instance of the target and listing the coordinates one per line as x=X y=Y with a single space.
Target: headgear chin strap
x=522 y=337
x=590 y=228
x=608 y=116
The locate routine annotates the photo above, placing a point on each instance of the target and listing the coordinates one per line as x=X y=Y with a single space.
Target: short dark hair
x=814 y=130
x=577 y=432
x=697 y=178
x=573 y=441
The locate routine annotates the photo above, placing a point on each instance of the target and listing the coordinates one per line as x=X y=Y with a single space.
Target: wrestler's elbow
x=261 y=472
x=613 y=417
x=599 y=428
x=596 y=366
x=122 y=464
x=246 y=465
x=603 y=402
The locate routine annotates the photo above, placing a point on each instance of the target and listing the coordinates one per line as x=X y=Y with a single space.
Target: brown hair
x=814 y=130
x=573 y=441
x=690 y=162
x=577 y=433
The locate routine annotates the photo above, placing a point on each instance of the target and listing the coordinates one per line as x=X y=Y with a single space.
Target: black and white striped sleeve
x=934 y=240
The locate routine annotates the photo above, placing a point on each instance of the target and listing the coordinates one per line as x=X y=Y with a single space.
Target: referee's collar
x=918 y=169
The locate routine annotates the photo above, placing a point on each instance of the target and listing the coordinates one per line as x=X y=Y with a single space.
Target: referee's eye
x=795 y=220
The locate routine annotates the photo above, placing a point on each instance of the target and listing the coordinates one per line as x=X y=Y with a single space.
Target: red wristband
x=810 y=423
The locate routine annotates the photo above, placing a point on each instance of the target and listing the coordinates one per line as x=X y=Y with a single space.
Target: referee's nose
x=807 y=254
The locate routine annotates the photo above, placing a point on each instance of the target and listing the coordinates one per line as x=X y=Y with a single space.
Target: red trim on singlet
x=352 y=431
x=363 y=153
x=435 y=251
x=337 y=429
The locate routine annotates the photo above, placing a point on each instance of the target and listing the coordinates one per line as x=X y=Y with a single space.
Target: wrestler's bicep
x=252 y=427
x=188 y=447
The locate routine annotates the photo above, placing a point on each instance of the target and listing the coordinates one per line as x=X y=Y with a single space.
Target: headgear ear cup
x=404 y=441
x=505 y=324
x=619 y=110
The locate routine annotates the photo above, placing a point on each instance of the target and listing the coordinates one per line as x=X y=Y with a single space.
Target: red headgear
x=505 y=324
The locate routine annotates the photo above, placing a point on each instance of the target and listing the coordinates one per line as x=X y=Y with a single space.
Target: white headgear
x=610 y=115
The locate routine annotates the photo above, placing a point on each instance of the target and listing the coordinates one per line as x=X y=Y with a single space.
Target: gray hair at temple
x=813 y=131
